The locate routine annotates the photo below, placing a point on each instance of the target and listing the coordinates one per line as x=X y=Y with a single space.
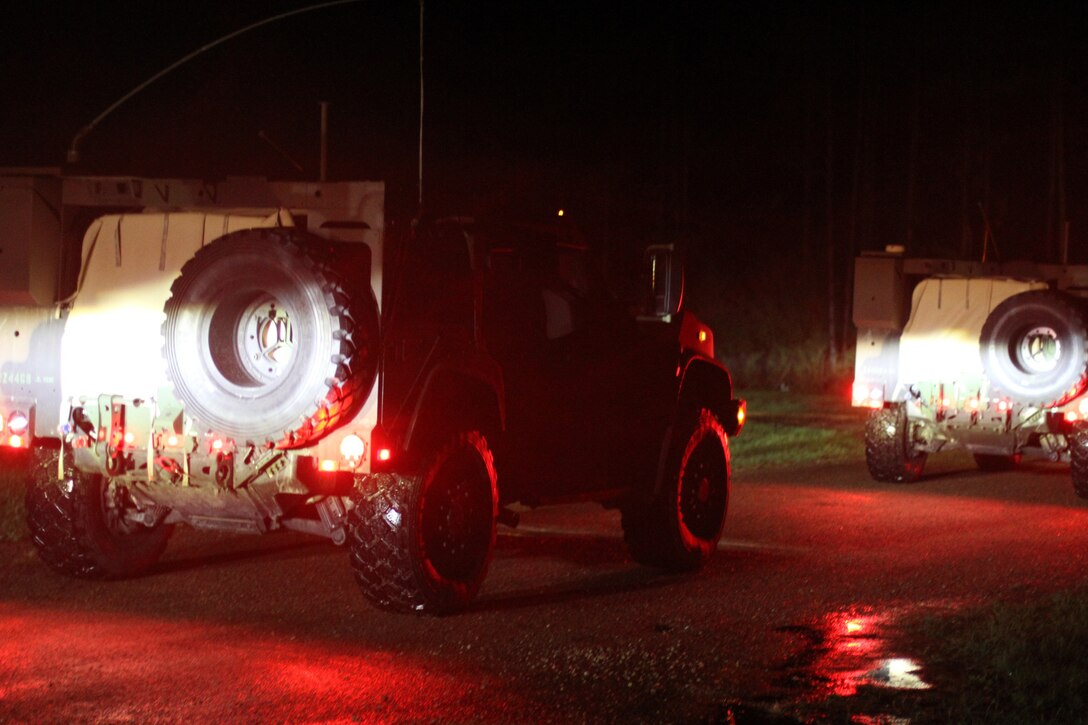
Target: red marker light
x=384 y=454
x=1070 y=416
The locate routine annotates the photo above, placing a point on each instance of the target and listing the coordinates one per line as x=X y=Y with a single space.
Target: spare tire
x=264 y=344
x=1034 y=349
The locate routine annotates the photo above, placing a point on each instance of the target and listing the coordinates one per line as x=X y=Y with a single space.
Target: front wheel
x=86 y=526
x=678 y=528
x=423 y=543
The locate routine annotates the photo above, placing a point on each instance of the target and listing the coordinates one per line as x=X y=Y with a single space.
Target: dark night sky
x=712 y=121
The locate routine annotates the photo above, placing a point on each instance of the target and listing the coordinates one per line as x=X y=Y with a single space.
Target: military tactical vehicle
x=988 y=357
x=255 y=356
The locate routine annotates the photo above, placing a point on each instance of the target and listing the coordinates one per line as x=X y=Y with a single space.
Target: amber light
x=328 y=465
x=16 y=441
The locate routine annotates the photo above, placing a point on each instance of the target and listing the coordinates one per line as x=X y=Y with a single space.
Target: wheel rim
x=456 y=518
x=1038 y=350
x=267 y=340
x=703 y=490
x=263 y=331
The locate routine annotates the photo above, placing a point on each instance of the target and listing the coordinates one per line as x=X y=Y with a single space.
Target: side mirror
x=664 y=283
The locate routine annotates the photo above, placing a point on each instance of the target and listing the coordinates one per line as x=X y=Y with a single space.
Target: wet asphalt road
x=816 y=565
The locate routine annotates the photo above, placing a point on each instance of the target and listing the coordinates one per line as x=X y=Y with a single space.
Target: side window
x=573 y=268
x=445 y=252
x=437 y=287
x=503 y=261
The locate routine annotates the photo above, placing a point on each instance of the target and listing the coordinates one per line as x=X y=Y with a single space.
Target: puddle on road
x=846 y=653
x=851 y=651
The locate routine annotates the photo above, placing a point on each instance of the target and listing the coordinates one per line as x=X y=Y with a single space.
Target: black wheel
x=85 y=526
x=264 y=344
x=1078 y=458
x=995 y=463
x=889 y=451
x=678 y=528
x=423 y=543
x=1034 y=349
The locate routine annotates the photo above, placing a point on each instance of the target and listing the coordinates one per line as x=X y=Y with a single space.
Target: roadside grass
x=1009 y=662
x=792 y=429
x=12 y=514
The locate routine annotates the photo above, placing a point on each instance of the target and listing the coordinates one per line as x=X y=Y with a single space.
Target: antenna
x=73 y=147
x=420 y=210
x=987 y=235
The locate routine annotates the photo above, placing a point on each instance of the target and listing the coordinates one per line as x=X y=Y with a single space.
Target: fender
x=705 y=380
x=482 y=399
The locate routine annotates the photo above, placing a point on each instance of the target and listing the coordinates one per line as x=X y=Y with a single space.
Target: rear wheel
x=85 y=525
x=1078 y=458
x=889 y=449
x=679 y=527
x=423 y=543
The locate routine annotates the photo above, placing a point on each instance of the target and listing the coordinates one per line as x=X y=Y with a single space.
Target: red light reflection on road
x=68 y=666
x=853 y=653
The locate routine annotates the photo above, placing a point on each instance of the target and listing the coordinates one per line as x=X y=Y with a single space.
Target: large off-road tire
x=889 y=451
x=263 y=342
x=1034 y=349
x=679 y=526
x=79 y=526
x=423 y=543
x=1078 y=458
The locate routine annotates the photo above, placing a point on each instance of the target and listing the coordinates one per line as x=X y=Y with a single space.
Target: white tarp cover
x=940 y=341
x=112 y=342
